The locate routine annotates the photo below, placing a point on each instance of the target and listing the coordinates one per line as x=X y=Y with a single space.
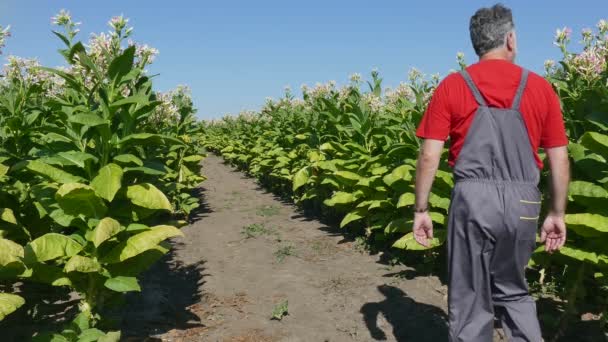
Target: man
x=497 y=115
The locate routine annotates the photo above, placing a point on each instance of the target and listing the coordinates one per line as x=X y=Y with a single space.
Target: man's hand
x=423 y=228
x=553 y=232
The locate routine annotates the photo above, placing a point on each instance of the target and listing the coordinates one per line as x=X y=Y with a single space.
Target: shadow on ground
x=408 y=319
x=169 y=290
x=203 y=210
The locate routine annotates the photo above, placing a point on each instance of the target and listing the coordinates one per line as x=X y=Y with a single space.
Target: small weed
x=280 y=310
x=284 y=252
x=361 y=244
x=255 y=230
x=268 y=210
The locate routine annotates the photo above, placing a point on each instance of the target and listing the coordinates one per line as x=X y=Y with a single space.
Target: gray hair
x=489 y=28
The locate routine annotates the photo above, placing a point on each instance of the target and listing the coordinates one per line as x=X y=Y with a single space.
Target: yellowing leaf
x=108 y=181
x=148 y=196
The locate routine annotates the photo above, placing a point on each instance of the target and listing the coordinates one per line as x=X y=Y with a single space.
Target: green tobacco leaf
x=408 y=242
x=47 y=274
x=10 y=252
x=3 y=169
x=132 y=267
x=400 y=225
x=588 y=194
x=128 y=159
x=300 y=178
x=579 y=254
x=148 y=196
x=439 y=202
x=51 y=246
x=112 y=336
x=105 y=229
x=8 y=216
x=51 y=172
x=588 y=225
x=77 y=158
x=148 y=138
x=401 y=173
x=340 y=197
x=140 y=243
x=122 y=65
x=80 y=199
x=90 y=119
x=123 y=284
x=406 y=199
x=353 y=216
x=9 y=303
x=81 y=264
x=108 y=181
x=347 y=176
x=90 y=335
x=596 y=142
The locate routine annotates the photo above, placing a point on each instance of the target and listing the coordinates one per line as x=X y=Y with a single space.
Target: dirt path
x=224 y=279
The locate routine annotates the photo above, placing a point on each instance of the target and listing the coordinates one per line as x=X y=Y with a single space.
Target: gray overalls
x=492 y=226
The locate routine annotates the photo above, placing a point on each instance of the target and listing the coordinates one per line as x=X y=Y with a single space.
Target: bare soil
x=248 y=251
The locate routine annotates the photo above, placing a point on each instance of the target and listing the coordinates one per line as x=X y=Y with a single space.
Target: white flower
x=62 y=18
x=355 y=78
x=414 y=74
x=118 y=22
x=4 y=33
x=460 y=55
x=549 y=64
x=602 y=26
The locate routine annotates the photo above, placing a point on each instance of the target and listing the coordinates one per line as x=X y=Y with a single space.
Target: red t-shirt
x=450 y=112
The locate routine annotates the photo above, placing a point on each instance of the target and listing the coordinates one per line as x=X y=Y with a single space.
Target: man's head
x=493 y=33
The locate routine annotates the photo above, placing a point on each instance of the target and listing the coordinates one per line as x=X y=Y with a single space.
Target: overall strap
x=473 y=88
x=520 y=90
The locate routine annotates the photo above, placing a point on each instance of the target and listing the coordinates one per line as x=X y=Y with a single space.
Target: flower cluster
x=402 y=91
x=374 y=102
x=591 y=62
x=4 y=33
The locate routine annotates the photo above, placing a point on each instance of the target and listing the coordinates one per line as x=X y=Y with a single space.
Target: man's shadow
x=411 y=321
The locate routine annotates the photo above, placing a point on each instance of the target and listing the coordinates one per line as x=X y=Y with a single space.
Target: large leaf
x=123 y=284
x=89 y=119
x=132 y=267
x=122 y=65
x=399 y=174
x=140 y=243
x=128 y=159
x=82 y=264
x=10 y=252
x=78 y=158
x=301 y=178
x=596 y=142
x=148 y=196
x=406 y=199
x=108 y=181
x=409 y=242
x=51 y=246
x=80 y=199
x=147 y=139
x=340 y=197
x=588 y=225
x=105 y=229
x=352 y=216
x=51 y=172
x=9 y=303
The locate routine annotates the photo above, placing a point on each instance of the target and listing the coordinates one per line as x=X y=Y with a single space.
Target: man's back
x=451 y=110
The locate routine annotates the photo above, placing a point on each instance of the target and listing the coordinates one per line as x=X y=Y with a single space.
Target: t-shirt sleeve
x=435 y=123
x=553 y=130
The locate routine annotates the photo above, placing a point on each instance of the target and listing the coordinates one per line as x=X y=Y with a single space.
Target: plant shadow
x=410 y=320
x=203 y=210
x=46 y=308
x=170 y=290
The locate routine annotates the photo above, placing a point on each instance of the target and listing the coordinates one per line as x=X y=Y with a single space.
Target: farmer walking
x=497 y=115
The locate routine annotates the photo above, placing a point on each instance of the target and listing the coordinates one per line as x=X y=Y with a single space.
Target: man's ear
x=511 y=41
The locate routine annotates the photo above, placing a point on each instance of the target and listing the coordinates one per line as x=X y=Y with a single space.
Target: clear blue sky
x=235 y=53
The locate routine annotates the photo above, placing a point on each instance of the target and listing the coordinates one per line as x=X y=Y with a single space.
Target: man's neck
x=495 y=55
